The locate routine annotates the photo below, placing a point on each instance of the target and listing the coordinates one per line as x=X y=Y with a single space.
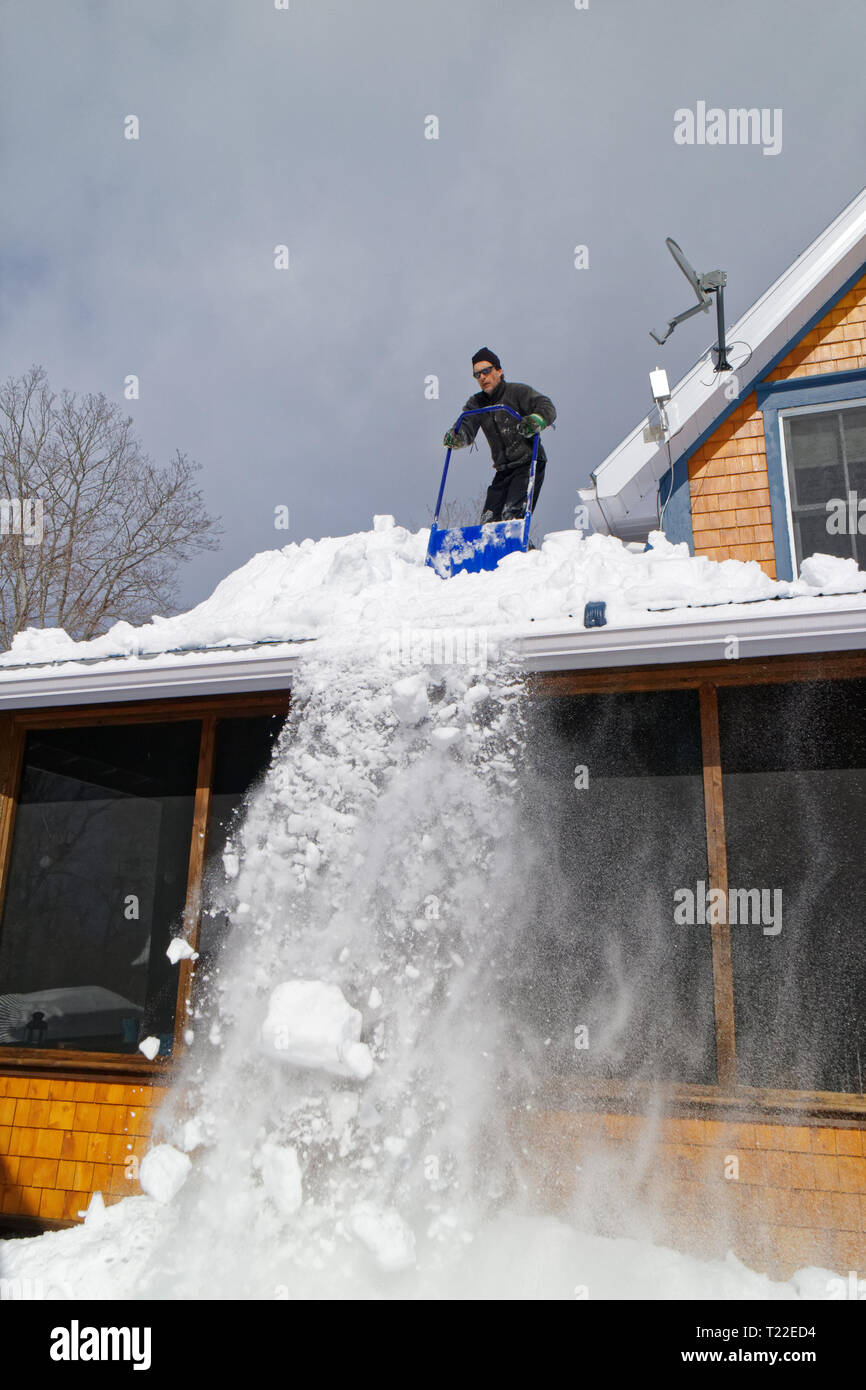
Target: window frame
x=776 y=399
x=830 y=408
x=14 y=727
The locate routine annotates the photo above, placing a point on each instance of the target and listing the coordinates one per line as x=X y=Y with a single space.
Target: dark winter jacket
x=508 y=447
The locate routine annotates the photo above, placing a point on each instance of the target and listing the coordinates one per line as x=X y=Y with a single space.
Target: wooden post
x=197 y=854
x=717 y=863
x=11 y=757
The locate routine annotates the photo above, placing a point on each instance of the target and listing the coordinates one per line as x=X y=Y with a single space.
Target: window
x=743 y=799
x=613 y=983
x=110 y=827
x=825 y=453
x=794 y=781
x=97 y=885
x=815 y=437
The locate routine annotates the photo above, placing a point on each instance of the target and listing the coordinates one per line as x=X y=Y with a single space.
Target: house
x=766 y=463
x=698 y=974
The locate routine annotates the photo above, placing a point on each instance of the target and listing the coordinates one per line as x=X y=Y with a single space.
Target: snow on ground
x=513 y=1257
x=377 y=581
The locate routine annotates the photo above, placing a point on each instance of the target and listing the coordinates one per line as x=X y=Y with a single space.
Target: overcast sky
x=306 y=127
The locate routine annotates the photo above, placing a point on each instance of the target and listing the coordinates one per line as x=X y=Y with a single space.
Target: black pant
x=506 y=495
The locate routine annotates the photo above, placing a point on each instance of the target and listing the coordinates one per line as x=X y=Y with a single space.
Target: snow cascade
x=372 y=895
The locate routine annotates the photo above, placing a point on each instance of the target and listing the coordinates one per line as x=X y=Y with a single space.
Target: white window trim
x=784 y=414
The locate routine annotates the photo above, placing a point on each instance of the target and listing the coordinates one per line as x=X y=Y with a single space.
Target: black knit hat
x=485 y=355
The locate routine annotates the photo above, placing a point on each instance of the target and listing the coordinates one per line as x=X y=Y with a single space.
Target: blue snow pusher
x=475 y=548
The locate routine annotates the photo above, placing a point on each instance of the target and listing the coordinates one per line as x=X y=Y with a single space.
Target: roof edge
x=686 y=640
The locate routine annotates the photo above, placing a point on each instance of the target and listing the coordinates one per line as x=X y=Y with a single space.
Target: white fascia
x=684 y=639
x=731 y=634
x=150 y=678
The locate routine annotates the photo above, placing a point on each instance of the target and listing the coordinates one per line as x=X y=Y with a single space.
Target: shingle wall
x=795 y=1196
x=61 y=1141
x=730 y=493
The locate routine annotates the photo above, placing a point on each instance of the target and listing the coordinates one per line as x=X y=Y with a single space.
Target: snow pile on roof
x=377 y=581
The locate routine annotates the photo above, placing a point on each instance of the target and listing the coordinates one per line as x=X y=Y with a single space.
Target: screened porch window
x=96 y=886
x=750 y=796
x=609 y=981
x=117 y=827
x=794 y=781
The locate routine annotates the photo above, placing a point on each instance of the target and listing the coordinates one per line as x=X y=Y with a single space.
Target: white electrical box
x=659 y=385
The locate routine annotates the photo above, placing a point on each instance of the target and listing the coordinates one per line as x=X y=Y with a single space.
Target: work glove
x=532 y=424
x=454 y=441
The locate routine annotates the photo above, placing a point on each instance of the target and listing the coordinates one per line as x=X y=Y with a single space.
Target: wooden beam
x=197 y=856
x=682 y=675
x=11 y=758
x=622 y=1095
x=717 y=864
x=154 y=711
x=65 y=1064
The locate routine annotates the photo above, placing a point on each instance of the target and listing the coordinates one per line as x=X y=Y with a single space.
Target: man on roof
x=510 y=440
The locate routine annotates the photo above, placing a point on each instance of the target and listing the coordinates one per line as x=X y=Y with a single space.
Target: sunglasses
x=483 y=371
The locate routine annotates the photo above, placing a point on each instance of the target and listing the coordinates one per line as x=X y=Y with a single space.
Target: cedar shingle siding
x=730 y=493
x=61 y=1141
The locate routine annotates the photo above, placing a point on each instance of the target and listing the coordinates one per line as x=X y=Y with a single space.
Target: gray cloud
x=306 y=127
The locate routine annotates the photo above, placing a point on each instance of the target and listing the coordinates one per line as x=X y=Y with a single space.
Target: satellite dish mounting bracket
x=704 y=286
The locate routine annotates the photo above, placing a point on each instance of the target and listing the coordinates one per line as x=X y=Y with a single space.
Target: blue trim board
x=752 y=385
x=677 y=504
x=773 y=397
x=811 y=390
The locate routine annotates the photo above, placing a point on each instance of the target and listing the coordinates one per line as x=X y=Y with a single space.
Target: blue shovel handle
x=488 y=410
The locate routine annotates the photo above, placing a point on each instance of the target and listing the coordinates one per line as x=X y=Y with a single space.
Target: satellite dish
x=713 y=283
x=679 y=256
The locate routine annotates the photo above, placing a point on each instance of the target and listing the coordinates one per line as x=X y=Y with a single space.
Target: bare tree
x=461 y=511
x=91 y=530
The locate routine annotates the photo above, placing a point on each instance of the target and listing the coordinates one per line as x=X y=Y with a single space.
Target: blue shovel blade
x=474 y=548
